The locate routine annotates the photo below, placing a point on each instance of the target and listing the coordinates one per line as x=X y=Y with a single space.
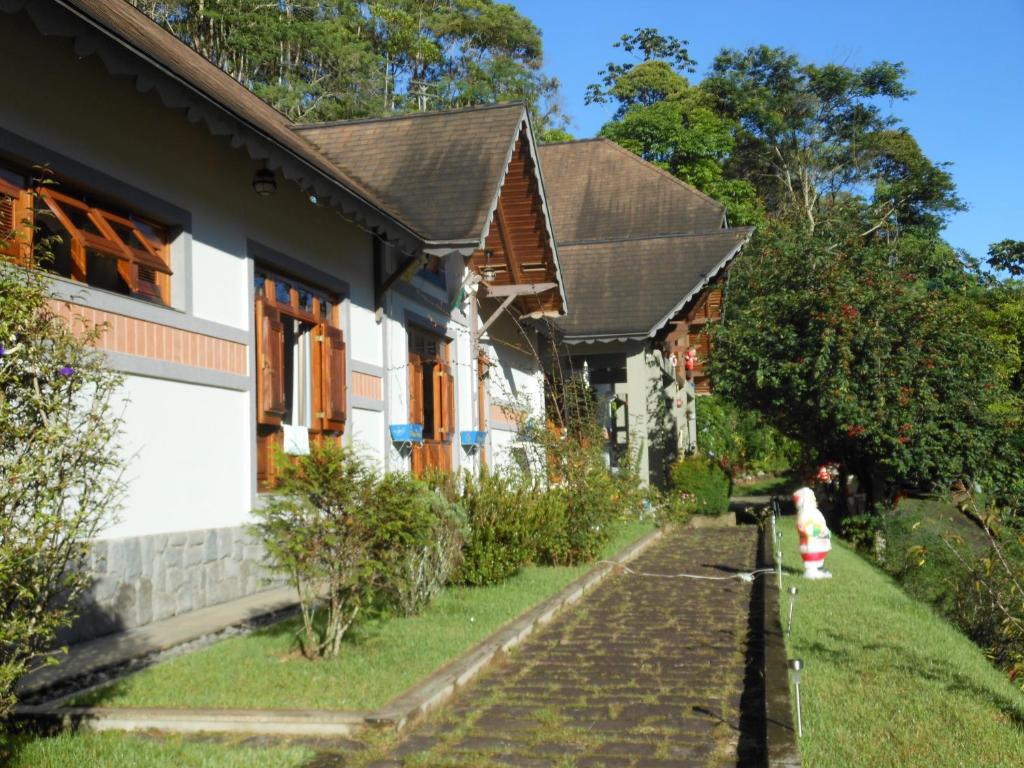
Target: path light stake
x=778 y=567
x=796 y=665
x=792 y=601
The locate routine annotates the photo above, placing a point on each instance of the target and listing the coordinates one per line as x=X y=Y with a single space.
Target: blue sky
x=964 y=60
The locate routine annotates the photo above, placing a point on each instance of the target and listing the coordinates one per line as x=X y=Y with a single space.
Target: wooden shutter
x=332 y=378
x=270 y=401
x=447 y=389
x=416 y=390
x=15 y=224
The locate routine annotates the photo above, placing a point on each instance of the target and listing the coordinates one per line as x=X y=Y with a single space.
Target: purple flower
x=66 y=371
x=2 y=350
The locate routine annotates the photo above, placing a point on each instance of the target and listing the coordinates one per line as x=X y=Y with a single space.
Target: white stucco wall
x=366 y=429
x=183 y=473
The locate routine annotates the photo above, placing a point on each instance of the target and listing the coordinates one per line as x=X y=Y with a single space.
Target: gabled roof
x=629 y=288
x=440 y=170
x=636 y=244
x=457 y=177
x=594 y=187
x=130 y=44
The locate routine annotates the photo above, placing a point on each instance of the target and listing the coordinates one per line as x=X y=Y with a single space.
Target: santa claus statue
x=815 y=539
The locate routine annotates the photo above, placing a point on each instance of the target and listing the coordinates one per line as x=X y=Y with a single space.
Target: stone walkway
x=645 y=672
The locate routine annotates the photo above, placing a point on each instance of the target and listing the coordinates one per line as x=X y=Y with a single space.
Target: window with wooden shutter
x=15 y=223
x=332 y=378
x=120 y=253
x=270 y=384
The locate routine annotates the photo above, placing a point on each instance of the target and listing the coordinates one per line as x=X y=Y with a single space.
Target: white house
x=263 y=283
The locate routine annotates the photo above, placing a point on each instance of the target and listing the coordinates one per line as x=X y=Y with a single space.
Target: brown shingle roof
x=440 y=170
x=629 y=288
x=593 y=187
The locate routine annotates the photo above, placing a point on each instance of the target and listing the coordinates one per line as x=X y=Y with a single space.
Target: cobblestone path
x=644 y=672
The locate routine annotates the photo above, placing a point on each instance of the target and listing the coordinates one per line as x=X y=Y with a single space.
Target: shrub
x=742 y=438
x=416 y=541
x=60 y=471
x=705 y=480
x=499 y=532
x=316 y=530
x=670 y=507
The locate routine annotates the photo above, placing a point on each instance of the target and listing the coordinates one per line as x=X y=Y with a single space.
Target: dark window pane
x=53 y=243
x=283 y=292
x=101 y=272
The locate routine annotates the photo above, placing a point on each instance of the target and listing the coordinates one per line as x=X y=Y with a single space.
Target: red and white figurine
x=815 y=539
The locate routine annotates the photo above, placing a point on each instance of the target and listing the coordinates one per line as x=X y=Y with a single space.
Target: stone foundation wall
x=143 y=579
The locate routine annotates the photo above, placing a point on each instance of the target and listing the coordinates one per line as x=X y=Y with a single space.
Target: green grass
x=381 y=658
x=887 y=682
x=772 y=485
x=115 y=750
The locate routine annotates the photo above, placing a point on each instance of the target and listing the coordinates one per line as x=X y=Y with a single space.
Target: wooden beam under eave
x=524 y=289
x=506 y=244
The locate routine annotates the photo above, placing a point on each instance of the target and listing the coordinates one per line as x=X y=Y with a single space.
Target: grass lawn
x=773 y=485
x=115 y=750
x=887 y=682
x=380 y=658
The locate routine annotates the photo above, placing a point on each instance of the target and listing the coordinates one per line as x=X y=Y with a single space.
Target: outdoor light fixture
x=489 y=272
x=792 y=601
x=264 y=183
x=778 y=566
x=795 y=665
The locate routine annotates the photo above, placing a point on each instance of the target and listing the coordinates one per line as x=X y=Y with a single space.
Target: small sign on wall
x=296 y=440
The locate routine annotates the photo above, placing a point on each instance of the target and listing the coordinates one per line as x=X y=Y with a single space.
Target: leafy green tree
x=662 y=57
x=811 y=137
x=60 y=469
x=311 y=59
x=870 y=351
x=333 y=59
x=1007 y=255
x=664 y=120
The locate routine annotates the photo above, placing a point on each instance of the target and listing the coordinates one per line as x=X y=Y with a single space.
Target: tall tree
x=874 y=353
x=811 y=137
x=330 y=59
x=664 y=120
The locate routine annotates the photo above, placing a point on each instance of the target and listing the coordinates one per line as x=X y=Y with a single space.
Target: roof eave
x=54 y=27
x=711 y=275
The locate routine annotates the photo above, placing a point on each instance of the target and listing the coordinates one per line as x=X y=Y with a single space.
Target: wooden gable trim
x=518 y=245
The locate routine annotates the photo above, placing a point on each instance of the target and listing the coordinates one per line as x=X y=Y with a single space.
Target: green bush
x=60 y=468
x=670 y=507
x=316 y=530
x=499 y=527
x=976 y=584
x=416 y=540
x=742 y=439
x=705 y=481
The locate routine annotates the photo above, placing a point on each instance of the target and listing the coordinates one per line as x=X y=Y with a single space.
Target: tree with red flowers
x=876 y=353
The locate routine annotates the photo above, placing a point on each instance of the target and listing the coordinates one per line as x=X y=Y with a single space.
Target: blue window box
x=407 y=433
x=473 y=439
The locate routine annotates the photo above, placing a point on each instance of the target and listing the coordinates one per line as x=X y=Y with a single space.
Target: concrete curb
x=781 y=745
x=398 y=714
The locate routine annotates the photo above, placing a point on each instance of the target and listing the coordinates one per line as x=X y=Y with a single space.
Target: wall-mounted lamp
x=488 y=272
x=264 y=183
